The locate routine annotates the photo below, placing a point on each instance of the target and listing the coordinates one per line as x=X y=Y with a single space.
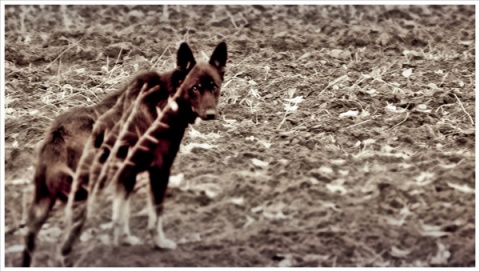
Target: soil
x=346 y=135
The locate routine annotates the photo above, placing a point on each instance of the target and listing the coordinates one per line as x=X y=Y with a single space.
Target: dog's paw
x=165 y=243
x=63 y=261
x=131 y=240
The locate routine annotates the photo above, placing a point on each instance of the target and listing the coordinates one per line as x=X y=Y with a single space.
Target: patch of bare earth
x=346 y=138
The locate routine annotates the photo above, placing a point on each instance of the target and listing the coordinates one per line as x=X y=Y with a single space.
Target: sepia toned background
x=346 y=135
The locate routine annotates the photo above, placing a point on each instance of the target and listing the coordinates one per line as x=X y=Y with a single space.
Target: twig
x=159 y=57
x=444 y=105
x=116 y=61
x=357 y=124
x=408 y=114
x=283 y=120
x=443 y=79
x=335 y=81
x=61 y=54
x=461 y=105
x=375 y=258
x=231 y=18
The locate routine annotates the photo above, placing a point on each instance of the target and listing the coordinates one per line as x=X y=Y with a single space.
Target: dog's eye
x=194 y=90
x=213 y=86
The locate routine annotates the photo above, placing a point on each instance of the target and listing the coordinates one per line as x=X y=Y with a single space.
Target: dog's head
x=201 y=87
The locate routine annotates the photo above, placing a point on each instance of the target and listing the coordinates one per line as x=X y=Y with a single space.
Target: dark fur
x=58 y=158
x=158 y=160
x=64 y=143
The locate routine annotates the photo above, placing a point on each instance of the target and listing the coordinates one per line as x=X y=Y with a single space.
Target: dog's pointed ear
x=185 y=58
x=219 y=57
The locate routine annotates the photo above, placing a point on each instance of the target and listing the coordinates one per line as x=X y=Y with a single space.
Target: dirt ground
x=346 y=135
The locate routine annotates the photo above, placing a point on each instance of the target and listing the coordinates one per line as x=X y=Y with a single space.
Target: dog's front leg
x=119 y=213
x=158 y=186
x=128 y=238
x=124 y=182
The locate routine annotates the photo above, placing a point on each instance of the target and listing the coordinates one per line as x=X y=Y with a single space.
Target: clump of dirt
x=346 y=135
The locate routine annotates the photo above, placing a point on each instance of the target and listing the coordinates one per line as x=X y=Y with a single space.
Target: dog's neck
x=176 y=115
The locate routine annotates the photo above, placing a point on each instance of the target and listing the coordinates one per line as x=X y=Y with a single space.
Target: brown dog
x=73 y=133
x=149 y=139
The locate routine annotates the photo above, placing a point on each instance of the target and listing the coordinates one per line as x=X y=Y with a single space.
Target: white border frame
x=229 y=2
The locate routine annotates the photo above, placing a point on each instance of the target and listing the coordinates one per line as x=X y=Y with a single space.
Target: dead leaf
x=395 y=222
x=239 y=201
x=176 y=180
x=280 y=34
x=368 y=142
x=461 y=188
x=442 y=256
x=396 y=252
x=413 y=53
x=259 y=163
x=20 y=181
x=189 y=147
x=340 y=54
x=326 y=170
x=295 y=100
x=315 y=257
x=313 y=181
x=266 y=144
x=87 y=235
x=424 y=178
x=250 y=221
x=336 y=188
x=14 y=249
x=467 y=43
x=432 y=231
x=407 y=73
x=211 y=190
x=389 y=108
x=304 y=56
x=338 y=161
x=350 y=113
x=288 y=261
x=276 y=216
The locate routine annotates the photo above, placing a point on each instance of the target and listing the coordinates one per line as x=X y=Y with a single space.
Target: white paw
x=131 y=240
x=62 y=261
x=165 y=243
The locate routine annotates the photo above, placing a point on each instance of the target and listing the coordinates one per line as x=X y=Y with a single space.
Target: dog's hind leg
x=121 y=210
x=75 y=224
x=75 y=217
x=158 y=186
x=37 y=215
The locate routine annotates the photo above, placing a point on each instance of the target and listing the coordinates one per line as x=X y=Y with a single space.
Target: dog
x=149 y=140
x=77 y=134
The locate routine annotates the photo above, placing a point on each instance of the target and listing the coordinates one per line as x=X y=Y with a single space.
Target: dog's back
x=63 y=145
x=57 y=160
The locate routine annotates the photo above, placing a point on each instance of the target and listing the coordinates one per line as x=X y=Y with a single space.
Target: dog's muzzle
x=210 y=114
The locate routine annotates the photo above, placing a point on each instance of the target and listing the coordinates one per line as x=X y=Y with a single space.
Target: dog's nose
x=210 y=114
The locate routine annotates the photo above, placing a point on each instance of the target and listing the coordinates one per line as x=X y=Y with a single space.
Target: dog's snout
x=210 y=114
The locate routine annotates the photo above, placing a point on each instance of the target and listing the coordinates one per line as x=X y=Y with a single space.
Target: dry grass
x=374 y=167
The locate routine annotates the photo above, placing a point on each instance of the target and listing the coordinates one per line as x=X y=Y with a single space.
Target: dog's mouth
x=209 y=114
